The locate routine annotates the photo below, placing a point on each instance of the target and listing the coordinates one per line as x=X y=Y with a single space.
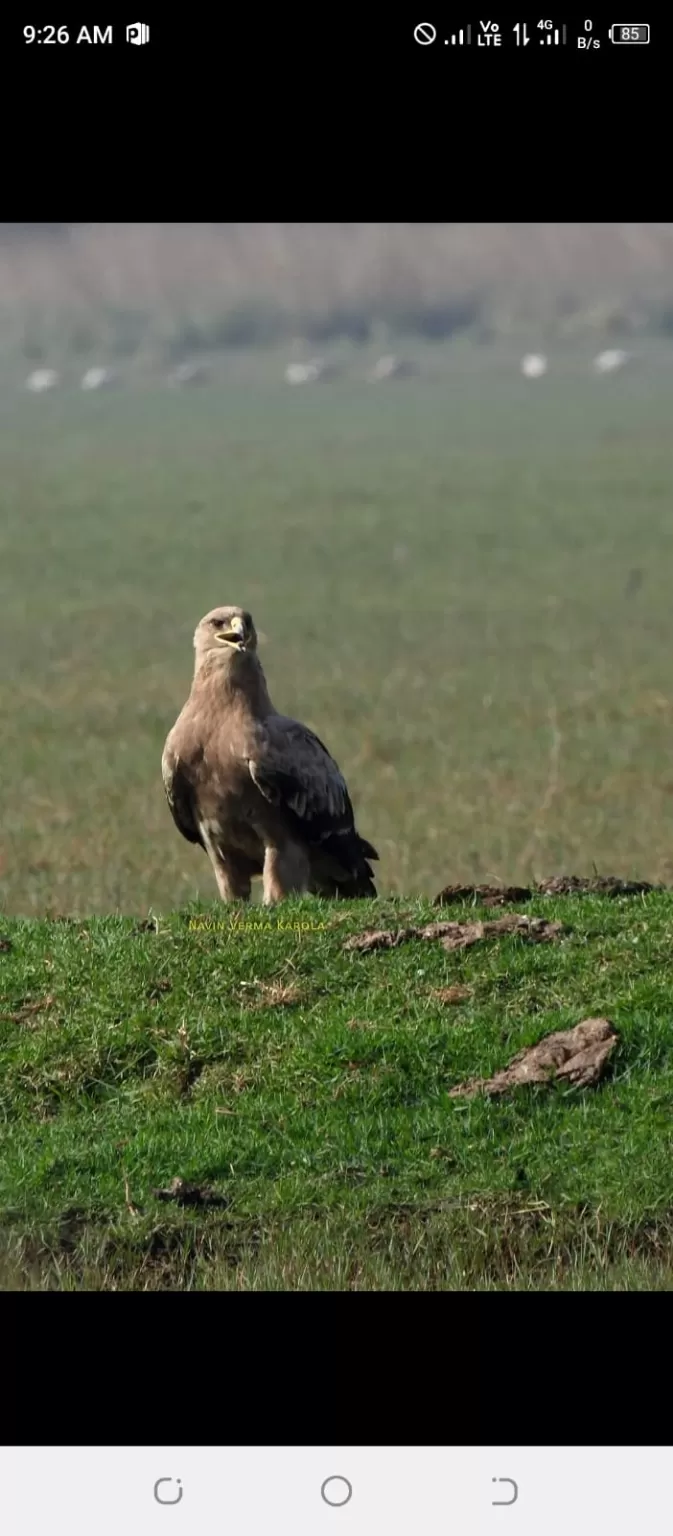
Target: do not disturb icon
x=165 y=1490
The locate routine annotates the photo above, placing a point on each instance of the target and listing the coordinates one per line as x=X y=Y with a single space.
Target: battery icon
x=622 y=33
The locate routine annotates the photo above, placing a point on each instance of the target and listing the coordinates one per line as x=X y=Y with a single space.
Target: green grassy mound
x=301 y=1091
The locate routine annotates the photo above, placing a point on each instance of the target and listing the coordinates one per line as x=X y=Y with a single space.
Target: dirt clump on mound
x=488 y=895
x=577 y=1056
x=558 y=885
x=598 y=885
x=458 y=935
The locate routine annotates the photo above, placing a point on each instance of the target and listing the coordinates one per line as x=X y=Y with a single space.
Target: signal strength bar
x=458 y=38
x=555 y=36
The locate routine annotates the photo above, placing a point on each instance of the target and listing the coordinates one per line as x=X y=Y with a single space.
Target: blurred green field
x=464 y=584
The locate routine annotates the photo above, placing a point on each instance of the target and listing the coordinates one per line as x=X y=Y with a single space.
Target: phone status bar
x=589 y=36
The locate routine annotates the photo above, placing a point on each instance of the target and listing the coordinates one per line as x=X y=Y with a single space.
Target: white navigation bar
x=335 y=1490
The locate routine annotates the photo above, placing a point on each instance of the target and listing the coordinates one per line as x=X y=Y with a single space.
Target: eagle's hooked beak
x=235 y=634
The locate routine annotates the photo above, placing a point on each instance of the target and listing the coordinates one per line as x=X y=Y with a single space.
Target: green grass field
x=307 y=1088
x=463 y=582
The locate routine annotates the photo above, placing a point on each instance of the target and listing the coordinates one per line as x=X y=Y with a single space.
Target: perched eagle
x=258 y=791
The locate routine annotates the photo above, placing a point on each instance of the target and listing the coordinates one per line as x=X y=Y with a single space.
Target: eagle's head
x=224 y=633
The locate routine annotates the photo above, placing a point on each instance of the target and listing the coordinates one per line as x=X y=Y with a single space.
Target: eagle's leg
x=233 y=882
x=231 y=873
x=285 y=870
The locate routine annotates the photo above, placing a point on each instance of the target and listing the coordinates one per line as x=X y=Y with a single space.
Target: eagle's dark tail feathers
x=361 y=884
x=356 y=877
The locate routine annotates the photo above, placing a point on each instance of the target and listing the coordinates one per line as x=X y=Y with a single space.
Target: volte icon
x=490 y=35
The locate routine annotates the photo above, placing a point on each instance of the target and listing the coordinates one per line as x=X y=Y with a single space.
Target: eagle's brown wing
x=294 y=771
x=180 y=796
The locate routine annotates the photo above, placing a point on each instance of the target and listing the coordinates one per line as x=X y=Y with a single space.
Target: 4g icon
x=490 y=36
